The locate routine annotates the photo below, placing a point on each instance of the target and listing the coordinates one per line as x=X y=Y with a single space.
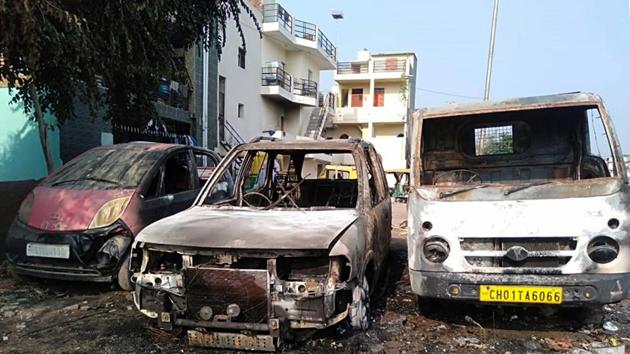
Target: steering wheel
x=473 y=175
x=269 y=202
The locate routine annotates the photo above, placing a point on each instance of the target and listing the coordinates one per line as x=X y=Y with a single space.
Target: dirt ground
x=51 y=317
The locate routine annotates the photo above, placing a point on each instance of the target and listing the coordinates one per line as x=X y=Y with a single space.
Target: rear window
x=494 y=140
x=113 y=168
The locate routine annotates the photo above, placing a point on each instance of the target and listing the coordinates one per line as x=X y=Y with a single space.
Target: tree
x=103 y=52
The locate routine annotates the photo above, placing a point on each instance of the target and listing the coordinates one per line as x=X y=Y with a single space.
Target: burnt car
x=284 y=250
x=79 y=222
x=513 y=203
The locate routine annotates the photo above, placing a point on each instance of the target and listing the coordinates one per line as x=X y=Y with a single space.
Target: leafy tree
x=103 y=52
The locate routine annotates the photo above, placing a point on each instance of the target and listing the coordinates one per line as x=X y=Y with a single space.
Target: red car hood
x=60 y=209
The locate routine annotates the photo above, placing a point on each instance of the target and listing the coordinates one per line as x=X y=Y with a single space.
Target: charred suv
x=281 y=251
x=513 y=203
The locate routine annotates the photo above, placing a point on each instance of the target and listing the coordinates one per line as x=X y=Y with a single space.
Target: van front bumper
x=578 y=289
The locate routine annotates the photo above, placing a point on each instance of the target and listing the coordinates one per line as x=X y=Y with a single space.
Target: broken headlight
x=301 y=268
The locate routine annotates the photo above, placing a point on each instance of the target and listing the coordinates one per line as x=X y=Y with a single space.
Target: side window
x=377 y=193
x=154 y=186
x=205 y=164
x=178 y=174
x=598 y=159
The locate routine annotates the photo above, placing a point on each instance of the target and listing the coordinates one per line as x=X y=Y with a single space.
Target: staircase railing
x=329 y=101
x=231 y=137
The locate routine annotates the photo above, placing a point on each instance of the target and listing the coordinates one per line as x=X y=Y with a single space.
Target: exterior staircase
x=319 y=116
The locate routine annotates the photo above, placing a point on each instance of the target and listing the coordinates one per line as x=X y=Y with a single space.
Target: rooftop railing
x=389 y=65
x=275 y=13
x=352 y=67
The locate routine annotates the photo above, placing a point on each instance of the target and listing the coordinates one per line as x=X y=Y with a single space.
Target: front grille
x=547 y=252
x=218 y=288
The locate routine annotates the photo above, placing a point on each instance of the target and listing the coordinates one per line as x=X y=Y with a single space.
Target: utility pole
x=493 y=32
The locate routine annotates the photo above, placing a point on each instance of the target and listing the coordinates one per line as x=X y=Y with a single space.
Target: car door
x=380 y=204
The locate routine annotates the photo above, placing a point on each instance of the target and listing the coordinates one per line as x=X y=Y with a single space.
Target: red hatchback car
x=79 y=222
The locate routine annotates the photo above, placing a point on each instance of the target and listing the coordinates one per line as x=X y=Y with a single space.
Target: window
x=379 y=97
x=494 y=140
x=598 y=160
x=375 y=180
x=177 y=174
x=357 y=97
x=241 y=57
x=241 y=110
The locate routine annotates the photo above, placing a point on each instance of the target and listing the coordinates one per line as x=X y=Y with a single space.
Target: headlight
x=109 y=212
x=25 y=208
x=603 y=249
x=436 y=250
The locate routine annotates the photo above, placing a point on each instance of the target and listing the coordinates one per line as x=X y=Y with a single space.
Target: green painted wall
x=21 y=156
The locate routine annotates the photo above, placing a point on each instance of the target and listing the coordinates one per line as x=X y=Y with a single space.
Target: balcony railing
x=273 y=76
x=305 y=30
x=275 y=13
x=305 y=87
x=352 y=67
x=389 y=65
x=326 y=45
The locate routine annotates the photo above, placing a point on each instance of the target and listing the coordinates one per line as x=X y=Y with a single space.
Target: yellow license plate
x=520 y=294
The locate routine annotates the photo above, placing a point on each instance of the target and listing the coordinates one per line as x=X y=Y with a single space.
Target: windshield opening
x=295 y=179
x=118 y=167
x=516 y=147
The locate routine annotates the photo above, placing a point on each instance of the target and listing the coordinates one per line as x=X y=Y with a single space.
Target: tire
x=360 y=307
x=124 y=277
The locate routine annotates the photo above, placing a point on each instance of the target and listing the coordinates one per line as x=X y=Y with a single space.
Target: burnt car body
x=279 y=251
x=510 y=203
x=79 y=222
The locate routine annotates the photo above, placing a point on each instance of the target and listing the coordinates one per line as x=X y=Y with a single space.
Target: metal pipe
x=204 y=100
x=493 y=32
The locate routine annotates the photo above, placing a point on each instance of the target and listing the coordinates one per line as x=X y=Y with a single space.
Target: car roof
x=304 y=144
x=513 y=104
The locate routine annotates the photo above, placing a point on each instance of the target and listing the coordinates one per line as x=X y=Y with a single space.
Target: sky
x=542 y=46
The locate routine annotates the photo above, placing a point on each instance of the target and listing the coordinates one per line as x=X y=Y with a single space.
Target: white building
x=376 y=94
x=273 y=83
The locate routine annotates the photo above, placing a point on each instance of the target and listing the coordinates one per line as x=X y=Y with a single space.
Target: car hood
x=62 y=209
x=243 y=228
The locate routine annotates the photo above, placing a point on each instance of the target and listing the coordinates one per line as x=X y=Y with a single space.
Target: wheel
x=124 y=277
x=360 y=306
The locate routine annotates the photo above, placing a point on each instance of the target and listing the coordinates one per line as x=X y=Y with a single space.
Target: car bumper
x=578 y=289
x=83 y=262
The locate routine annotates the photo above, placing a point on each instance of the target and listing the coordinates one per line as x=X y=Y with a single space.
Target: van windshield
x=524 y=147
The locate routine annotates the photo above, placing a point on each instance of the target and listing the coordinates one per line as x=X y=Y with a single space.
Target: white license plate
x=48 y=251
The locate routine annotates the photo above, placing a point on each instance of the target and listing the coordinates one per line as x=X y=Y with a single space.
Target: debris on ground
x=610 y=326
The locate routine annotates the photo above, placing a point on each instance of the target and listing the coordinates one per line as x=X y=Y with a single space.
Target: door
x=379 y=97
x=357 y=97
x=380 y=206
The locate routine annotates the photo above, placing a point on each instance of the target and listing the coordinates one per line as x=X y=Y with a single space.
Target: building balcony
x=279 y=84
x=364 y=115
x=377 y=69
x=298 y=35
